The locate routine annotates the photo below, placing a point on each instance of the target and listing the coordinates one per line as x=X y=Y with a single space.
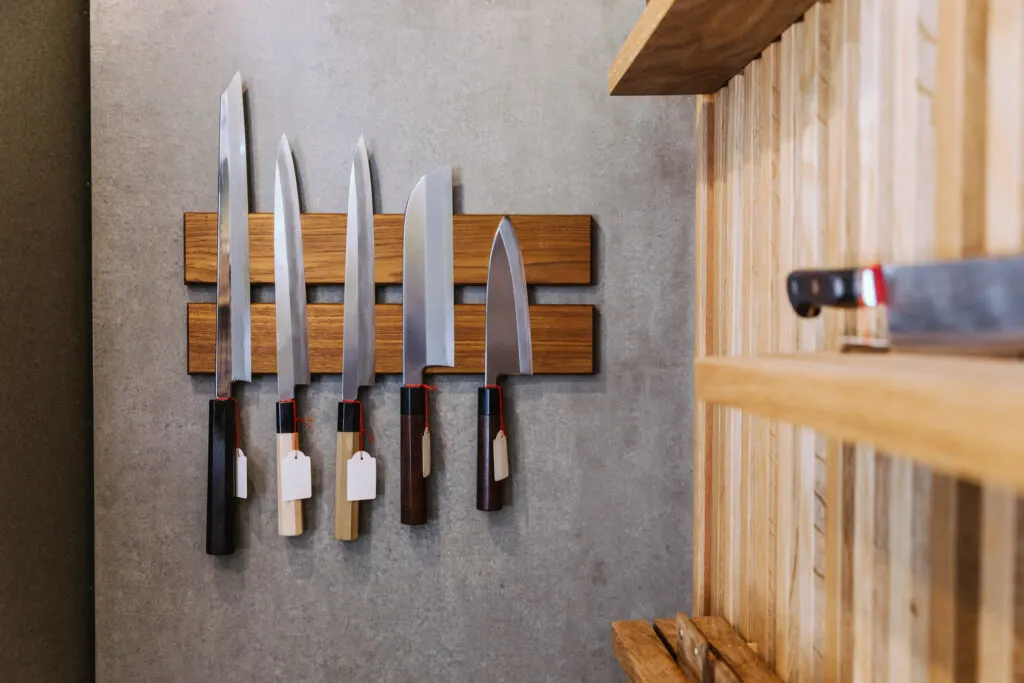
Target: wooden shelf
x=689 y=47
x=960 y=415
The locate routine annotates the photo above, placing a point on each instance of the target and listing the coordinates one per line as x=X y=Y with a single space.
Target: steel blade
x=289 y=278
x=359 y=348
x=508 y=349
x=234 y=341
x=968 y=305
x=428 y=292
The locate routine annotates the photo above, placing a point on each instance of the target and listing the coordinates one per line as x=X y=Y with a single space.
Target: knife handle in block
x=488 y=491
x=220 y=478
x=811 y=290
x=414 y=420
x=346 y=512
x=289 y=514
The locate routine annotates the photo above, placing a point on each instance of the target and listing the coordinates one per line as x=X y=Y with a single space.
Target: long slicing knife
x=508 y=351
x=292 y=335
x=428 y=324
x=234 y=354
x=972 y=306
x=359 y=349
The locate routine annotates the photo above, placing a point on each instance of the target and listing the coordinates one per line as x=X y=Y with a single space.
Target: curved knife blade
x=289 y=278
x=234 y=341
x=359 y=348
x=428 y=292
x=508 y=348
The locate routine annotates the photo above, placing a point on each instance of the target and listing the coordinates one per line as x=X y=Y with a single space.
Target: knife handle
x=220 y=478
x=289 y=514
x=488 y=491
x=346 y=512
x=414 y=420
x=811 y=290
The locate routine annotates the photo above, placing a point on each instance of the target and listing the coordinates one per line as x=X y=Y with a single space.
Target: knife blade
x=508 y=350
x=292 y=334
x=233 y=345
x=970 y=306
x=428 y=323
x=359 y=351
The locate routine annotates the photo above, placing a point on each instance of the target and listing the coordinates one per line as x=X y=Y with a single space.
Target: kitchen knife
x=292 y=335
x=428 y=323
x=359 y=347
x=233 y=347
x=507 y=351
x=974 y=305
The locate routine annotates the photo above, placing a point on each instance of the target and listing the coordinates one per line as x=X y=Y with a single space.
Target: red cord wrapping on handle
x=238 y=426
x=361 y=430
x=501 y=408
x=307 y=421
x=426 y=402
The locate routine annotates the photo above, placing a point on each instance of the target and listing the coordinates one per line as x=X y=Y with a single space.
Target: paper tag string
x=426 y=402
x=501 y=408
x=361 y=430
x=238 y=426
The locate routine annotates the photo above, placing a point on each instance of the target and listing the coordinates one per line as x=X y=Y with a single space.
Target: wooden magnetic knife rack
x=556 y=251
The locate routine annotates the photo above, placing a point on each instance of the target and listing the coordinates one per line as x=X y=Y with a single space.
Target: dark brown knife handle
x=414 y=420
x=488 y=491
x=220 y=478
x=811 y=290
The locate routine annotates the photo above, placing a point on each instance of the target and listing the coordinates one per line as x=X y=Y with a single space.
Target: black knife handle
x=414 y=420
x=811 y=290
x=220 y=478
x=488 y=491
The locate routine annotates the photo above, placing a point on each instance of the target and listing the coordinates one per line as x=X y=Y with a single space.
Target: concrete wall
x=512 y=94
x=45 y=401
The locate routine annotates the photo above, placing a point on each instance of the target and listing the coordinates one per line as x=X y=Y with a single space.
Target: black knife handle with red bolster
x=488 y=491
x=811 y=290
x=220 y=478
x=414 y=420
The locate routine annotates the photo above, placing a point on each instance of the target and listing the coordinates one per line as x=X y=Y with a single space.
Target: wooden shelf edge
x=642 y=655
x=959 y=415
x=692 y=47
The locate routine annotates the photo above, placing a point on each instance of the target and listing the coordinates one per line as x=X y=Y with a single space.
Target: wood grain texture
x=954 y=414
x=556 y=249
x=688 y=47
x=289 y=513
x=732 y=649
x=346 y=512
x=563 y=339
x=705 y=130
x=642 y=655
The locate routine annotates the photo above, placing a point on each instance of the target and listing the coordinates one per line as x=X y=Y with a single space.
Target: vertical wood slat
x=716 y=289
x=787 y=616
x=1004 y=224
x=769 y=339
x=733 y=312
x=703 y=266
x=753 y=515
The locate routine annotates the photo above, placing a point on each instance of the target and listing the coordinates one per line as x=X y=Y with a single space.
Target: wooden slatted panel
x=556 y=249
x=563 y=338
x=909 y=174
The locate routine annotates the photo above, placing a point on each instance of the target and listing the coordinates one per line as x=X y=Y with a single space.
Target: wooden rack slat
x=563 y=339
x=556 y=249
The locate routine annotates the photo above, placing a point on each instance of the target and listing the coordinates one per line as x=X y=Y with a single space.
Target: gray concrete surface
x=45 y=364
x=512 y=94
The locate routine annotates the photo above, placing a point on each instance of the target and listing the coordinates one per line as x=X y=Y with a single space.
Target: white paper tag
x=241 y=474
x=362 y=477
x=426 y=452
x=296 y=477
x=500 y=453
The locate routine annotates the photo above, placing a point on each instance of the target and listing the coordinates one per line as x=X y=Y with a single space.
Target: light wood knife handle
x=289 y=514
x=346 y=512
